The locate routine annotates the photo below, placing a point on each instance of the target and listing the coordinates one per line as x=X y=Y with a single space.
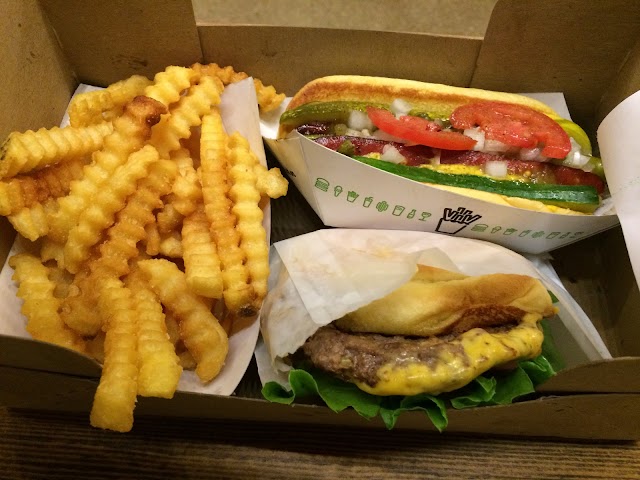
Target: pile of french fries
x=146 y=223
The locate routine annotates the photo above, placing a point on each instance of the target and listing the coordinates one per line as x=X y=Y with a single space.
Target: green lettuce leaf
x=492 y=388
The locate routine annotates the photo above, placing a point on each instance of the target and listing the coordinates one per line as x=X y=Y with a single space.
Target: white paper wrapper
x=619 y=141
x=346 y=193
x=318 y=277
x=240 y=113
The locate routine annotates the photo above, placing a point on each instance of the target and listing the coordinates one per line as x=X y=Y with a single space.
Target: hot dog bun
x=436 y=98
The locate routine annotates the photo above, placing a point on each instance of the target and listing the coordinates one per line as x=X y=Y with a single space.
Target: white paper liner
x=318 y=277
x=347 y=194
x=239 y=113
x=619 y=142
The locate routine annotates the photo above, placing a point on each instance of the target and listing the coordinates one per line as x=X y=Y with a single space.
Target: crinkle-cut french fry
x=50 y=250
x=24 y=191
x=121 y=244
x=98 y=105
x=173 y=327
x=86 y=108
x=115 y=397
x=168 y=85
x=186 y=360
x=188 y=112
x=187 y=191
x=226 y=74
x=268 y=98
x=61 y=279
x=168 y=218
x=129 y=134
x=226 y=322
x=33 y=222
x=245 y=195
x=78 y=308
x=171 y=245
x=159 y=367
x=199 y=329
x=238 y=294
x=95 y=347
x=40 y=304
x=126 y=90
x=24 y=152
x=270 y=182
x=201 y=261
x=152 y=239
x=106 y=203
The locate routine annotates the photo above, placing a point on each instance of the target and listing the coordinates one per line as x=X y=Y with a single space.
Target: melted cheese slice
x=458 y=362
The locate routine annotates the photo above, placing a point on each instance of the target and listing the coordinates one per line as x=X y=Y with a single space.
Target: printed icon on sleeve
x=424 y=216
x=382 y=206
x=367 y=202
x=509 y=231
x=577 y=234
x=322 y=184
x=553 y=235
x=480 y=227
x=352 y=196
x=337 y=190
x=565 y=235
x=538 y=234
x=524 y=233
x=397 y=210
x=453 y=221
x=496 y=229
x=412 y=213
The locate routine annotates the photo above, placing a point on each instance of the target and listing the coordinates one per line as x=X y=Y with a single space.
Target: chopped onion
x=531 y=154
x=435 y=160
x=400 y=107
x=359 y=120
x=478 y=136
x=575 y=158
x=353 y=133
x=495 y=146
x=391 y=154
x=495 y=168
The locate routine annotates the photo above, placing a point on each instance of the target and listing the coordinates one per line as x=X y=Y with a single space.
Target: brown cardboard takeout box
x=588 y=50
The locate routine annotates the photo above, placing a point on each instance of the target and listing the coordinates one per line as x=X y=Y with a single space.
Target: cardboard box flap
x=603 y=416
x=45 y=357
x=271 y=53
x=36 y=80
x=586 y=42
x=615 y=376
x=108 y=41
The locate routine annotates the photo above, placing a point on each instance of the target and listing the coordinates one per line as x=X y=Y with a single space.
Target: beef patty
x=358 y=356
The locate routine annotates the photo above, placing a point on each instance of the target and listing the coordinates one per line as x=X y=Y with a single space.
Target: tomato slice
x=418 y=130
x=573 y=176
x=515 y=125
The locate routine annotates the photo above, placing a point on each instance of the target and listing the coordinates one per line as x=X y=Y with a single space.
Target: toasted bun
x=437 y=302
x=468 y=325
x=432 y=97
x=524 y=203
x=435 y=98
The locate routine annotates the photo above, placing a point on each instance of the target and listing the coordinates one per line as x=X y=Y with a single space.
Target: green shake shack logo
x=453 y=221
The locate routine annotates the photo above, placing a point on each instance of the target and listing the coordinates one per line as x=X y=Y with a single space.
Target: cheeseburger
x=462 y=139
x=434 y=334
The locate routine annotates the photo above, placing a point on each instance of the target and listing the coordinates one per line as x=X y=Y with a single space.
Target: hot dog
x=497 y=146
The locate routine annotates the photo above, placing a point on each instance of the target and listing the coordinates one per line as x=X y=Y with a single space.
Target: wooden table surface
x=54 y=445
